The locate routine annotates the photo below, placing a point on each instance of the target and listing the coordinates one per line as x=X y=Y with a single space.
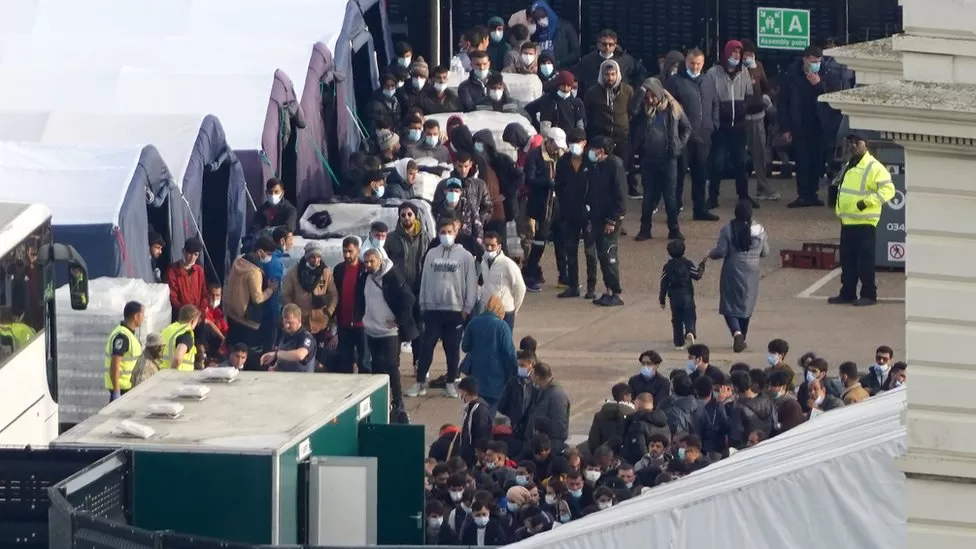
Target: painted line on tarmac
x=808 y=293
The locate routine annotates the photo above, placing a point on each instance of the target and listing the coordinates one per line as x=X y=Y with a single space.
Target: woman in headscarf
x=490 y=353
x=741 y=244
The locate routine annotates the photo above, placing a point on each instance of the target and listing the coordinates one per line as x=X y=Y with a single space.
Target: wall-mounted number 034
x=896 y=227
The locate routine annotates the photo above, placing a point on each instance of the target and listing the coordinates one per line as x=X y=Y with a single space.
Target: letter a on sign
x=795 y=25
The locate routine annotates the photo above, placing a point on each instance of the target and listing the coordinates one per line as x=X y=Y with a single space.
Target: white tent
x=97 y=198
x=831 y=482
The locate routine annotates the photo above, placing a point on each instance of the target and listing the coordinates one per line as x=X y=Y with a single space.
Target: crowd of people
x=506 y=472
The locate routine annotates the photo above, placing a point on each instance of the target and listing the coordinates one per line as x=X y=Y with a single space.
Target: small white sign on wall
x=365 y=408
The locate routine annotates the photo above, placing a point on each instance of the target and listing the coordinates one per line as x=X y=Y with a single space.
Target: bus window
x=25 y=285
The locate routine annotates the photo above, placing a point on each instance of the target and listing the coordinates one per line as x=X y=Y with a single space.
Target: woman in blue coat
x=490 y=354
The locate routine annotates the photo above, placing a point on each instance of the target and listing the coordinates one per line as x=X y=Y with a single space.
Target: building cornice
x=874 y=61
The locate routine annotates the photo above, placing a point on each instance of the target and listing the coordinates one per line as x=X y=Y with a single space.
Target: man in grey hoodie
x=448 y=292
x=388 y=319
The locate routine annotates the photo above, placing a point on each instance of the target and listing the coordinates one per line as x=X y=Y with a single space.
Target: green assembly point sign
x=782 y=29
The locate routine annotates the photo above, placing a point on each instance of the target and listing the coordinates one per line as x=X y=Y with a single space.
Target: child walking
x=677 y=284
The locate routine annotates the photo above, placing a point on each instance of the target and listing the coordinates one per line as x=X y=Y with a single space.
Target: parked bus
x=28 y=338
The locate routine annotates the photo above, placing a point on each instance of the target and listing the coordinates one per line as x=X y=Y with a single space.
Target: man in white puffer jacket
x=502 y=277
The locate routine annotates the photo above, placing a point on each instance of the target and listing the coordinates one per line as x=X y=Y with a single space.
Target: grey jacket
x=551 y=403
x=449 y=281
x=378 y=313
x=731 y=91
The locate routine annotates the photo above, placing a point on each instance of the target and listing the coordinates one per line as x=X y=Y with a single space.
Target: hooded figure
x=607 y=106
x=483 y=143
x=661 y=130
x=515 y=135
x=741 y=243
x=498 y=46
x=732 y=86
x=510 y=178
x=555 y=35
x=587 y=71
x=673 y=62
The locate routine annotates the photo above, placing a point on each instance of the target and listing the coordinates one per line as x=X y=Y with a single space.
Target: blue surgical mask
x=512 y=507
x=521 y=480
x=452 y=197
x=418 y=82
x=479 y=147
x=592 y=156
x=810 y=376
x=446 y=239
x=431 y=140
x=576 y=493
x=690 y=365
x=481 y=522
x=523 y=372
x=575 y=149
x=565 y=518
x=380 y=191
x=546 y=70
x=480 y=74
x=413 y=135
x=404 y=61
x=749 y=61
x=815 y=67
x=491 y=465
x=772 y=359
x=681 y=453
x=647 y=371
x=732 y=62
x=388 y=92
x=693 y=74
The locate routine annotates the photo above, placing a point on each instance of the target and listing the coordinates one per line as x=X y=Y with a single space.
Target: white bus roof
x=17 y=220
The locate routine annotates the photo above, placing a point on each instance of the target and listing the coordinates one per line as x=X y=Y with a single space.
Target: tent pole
x=435 y=32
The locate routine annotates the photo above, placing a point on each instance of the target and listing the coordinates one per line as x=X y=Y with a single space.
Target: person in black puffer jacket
x=752 y=411
x=609 y=422
x=641 y=426
x=711 y=420
x=682 y=407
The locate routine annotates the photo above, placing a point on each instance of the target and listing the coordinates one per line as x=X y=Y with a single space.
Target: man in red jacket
x=187 y=283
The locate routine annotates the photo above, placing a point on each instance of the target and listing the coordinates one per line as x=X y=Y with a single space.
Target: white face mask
x=435 y=522
x=215 y=303
x=591 y=476
x=379 y=242
x=456 y=496
x=575 y=149
x=418 y=83
x=819 y=400
x=274 y=199
x=543 y=22
x=495 y=95
x=604 y=504
x=528 y=58
x=497 y=35
x=492 y=254
x=550 y=499
x=440 y=86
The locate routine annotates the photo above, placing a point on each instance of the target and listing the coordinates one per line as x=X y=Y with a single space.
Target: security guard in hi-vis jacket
x=857 y=198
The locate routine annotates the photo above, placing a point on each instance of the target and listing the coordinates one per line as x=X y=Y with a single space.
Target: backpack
x=635 y=441
x=679 y=420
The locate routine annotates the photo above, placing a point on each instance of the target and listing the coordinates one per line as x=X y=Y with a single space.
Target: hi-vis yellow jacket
x=869 y=181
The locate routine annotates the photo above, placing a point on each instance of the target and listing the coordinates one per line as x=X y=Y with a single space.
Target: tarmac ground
x=591 y=348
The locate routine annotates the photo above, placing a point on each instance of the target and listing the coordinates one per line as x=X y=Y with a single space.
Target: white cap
x=558 y=137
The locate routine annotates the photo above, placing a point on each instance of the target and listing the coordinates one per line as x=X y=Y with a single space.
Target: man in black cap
x=606 y=199
x=863 y=190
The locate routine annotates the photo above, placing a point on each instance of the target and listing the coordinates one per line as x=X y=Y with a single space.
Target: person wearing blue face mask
x=811 y=126
x=557 y=108
x=732 y=86
x=648 y=380
x=385 y=110
x=429 y=145
x=448 y=293
x=776 y=351
x=518 y=394
x=700 y=106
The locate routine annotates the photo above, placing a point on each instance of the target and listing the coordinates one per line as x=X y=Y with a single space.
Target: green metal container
x=230 y=465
